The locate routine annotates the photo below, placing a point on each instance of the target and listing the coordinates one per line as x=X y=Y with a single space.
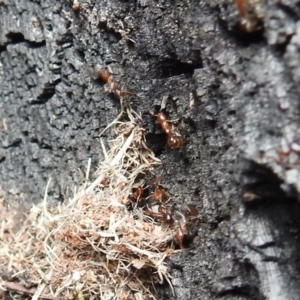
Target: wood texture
x=236 y=96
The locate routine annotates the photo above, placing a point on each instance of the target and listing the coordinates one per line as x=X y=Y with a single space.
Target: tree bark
x=235 y=93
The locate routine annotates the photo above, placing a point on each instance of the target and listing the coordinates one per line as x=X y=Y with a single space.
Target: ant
x=174 y=138
x=159 y=194
x=113 y=87
x=293 y=147
x=183 y=232
x=137 y=194
x=166 y=215
x=160 y=212
x=249 y=22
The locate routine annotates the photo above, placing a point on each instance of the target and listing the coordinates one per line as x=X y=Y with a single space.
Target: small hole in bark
x=15 y=37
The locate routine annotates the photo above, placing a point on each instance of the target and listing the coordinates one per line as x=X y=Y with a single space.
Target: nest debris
x=92 y=246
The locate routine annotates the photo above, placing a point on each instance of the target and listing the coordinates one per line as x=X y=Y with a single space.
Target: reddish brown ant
x=183 y=232
x=166 y=215
x=137 y=194
x=293 y=147
x=159 y=195
x=241 y=8
x=174 y=138
x=160 y=212
x=113 y=87
x=249 y=21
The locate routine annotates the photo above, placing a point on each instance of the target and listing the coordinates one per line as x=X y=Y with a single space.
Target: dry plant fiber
x=91 y=246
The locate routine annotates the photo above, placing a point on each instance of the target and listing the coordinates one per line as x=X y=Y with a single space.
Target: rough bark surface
x=236 y=96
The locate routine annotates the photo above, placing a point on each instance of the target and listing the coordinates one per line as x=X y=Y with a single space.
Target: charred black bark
x=235 y=93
